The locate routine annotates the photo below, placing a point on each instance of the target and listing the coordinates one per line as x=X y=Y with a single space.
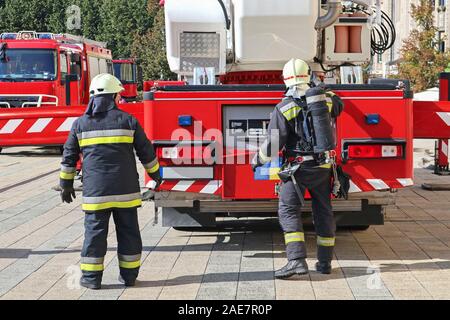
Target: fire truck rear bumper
x=190 y=210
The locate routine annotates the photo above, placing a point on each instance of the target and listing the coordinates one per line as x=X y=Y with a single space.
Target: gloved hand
x=158 y=180
x=68 y=195
x=344 y=180
x=256 y=163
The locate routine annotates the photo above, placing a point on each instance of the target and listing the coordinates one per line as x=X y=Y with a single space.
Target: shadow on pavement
x=53 y=152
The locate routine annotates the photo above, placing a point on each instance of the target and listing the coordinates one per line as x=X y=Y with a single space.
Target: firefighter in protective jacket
x=107 y=137
x=302 y=126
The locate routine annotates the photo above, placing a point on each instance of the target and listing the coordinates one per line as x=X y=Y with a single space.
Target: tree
x=421 y=59
x=150 y=48
x=121 y=22
x=131 y=28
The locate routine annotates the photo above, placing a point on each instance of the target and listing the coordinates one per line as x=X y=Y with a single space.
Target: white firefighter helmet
x=296 y=73
x=105 y=83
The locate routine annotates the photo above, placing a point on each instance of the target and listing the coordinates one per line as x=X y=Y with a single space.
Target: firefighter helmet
x=105 y=83
x=296 y=72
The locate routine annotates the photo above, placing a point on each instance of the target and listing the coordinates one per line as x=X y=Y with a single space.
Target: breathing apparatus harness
x=315 y=147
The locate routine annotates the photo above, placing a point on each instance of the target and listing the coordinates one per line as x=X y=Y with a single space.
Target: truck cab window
x=125 y=72
x=28 y=65
x=64 y=68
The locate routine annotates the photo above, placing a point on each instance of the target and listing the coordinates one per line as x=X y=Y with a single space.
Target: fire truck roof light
x=9 y=36
x=48 y=36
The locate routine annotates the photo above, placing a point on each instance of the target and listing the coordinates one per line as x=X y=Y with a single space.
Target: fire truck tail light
x=170 y=153
x=375 y=151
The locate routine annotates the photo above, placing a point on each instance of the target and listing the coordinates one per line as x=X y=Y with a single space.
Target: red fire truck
x=126 y=71
x=44 y=87
x=205 y=135
x=44 y=69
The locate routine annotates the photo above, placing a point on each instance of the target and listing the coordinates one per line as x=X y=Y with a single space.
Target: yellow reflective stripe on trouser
x=326 y=166
x=292 y=113
x=106 y=140
x=130 y=265
x=67 y=176
x=326 y=242
x=110 y=205
x=92 y=267
x=294 y=237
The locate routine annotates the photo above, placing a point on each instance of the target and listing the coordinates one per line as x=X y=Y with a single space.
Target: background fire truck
x=44 y=85
x=127 y=72
x=44 y=69
x=244 y=44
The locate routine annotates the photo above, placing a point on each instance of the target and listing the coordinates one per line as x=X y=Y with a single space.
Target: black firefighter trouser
x=95 y=244
x=318 y=182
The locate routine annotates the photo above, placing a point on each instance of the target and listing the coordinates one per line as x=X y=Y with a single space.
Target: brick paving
x=41 y=239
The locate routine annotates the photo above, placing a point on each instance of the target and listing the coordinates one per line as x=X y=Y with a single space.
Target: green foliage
x=131 y=28
x=422 y=61
x=151 y=48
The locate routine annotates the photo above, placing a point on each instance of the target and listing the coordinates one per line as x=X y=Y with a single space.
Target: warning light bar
x=29 y=35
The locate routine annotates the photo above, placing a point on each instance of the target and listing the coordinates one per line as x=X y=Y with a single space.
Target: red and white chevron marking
x=213 y=187
x=37 y=126
x=444 y=147
x=379 y=185
x=445 y=116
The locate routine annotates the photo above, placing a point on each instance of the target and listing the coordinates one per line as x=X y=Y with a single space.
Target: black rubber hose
x=383 y=36
x=225 y=13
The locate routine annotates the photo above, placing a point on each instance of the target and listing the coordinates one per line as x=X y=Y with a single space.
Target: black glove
x=338 y=106
x=68 y=195
x=256 y=163
x=158 y=180
x=344 y=180
x=158 y=183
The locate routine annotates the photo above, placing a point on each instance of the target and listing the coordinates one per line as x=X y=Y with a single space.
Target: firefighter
x=106 y=138
x=308 y=165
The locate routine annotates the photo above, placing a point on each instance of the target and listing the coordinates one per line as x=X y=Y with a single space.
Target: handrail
x=38 y=103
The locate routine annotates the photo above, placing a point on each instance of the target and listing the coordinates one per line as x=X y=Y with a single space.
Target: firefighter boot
x=324 y=267
x=294 y=267
x=90 y=285
x=128 y=283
